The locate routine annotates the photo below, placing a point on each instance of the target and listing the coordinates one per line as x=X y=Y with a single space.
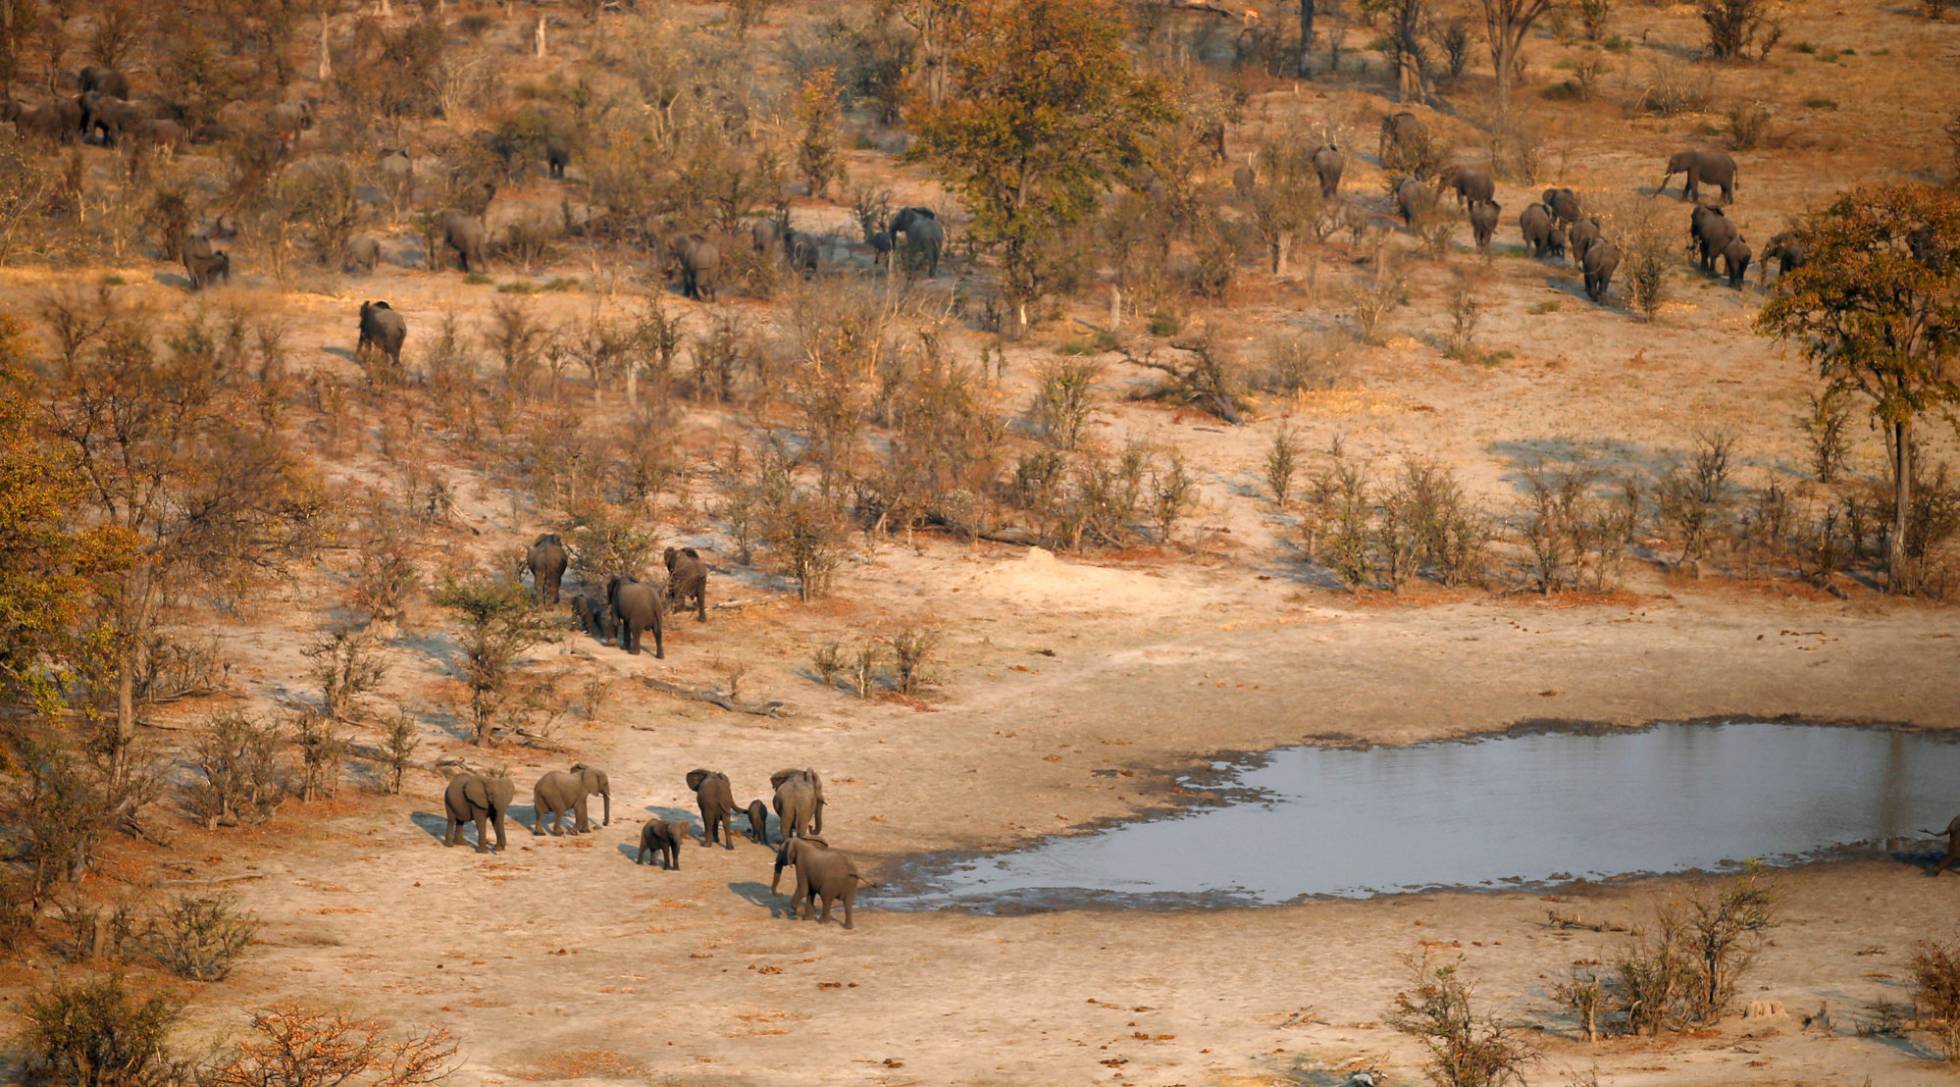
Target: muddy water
x=1532 y=808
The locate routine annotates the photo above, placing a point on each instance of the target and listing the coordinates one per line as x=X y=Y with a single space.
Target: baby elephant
x=759 y=822
x=593 y=616
x=662 y=838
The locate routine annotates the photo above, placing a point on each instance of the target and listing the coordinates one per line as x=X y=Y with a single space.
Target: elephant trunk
x=781 y=863
x=606 y=796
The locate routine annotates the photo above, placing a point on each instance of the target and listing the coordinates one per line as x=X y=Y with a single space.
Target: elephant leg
x=847 y=896
x=449 y=829
x=580 y=824
x=1951 y=859
x=674 y=857
x=728 y=832
x=826 y=897
x=482 y=832
x=497 y=819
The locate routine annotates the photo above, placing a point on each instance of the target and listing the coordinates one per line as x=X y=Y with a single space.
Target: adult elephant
x=801 y=251
x=823 y=875
x=1788 y=250
x=204 y=262
x=58 y=121
x=108 y=118
x=288 y=119
x=716 y=800
x=362 y=254
x=546 y=558
x=1542 y=231
x=1709 y=232
x=687 y=580
x=636 y=608
x=766 y=237
x=1700 y=168
x=1483 y=222
x=1581 y=236
x=1414 y=201
x=1735 y=261
x=1563 y=204
x=1469 y=183
x=1400 y=130
x=1328 y=165
x=567 y=791
x=162 y=134
x=383 y=330
x=466 y=236
x=799 y=801
x=923 y=235
x=1601 y=260
x=557 y=156
x=700 y=264
x=478 y=798
x=103 y=79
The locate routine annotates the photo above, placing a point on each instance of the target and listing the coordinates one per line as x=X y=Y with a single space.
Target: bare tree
x=1507 y=22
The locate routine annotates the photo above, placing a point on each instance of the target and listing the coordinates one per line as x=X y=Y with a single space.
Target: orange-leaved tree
x=1877 y=309
x=1044 y=109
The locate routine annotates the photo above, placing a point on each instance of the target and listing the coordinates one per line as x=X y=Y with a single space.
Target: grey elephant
x=1700 y=168
x=103 y=79
x=1243 y=180
x=1709 y=232
x=823 y=875
x=1398 y=130
x=635 y=608
x=1483 y=222
x=880 y=242
x=1582 y=235
x=1542 y=231
x=1328 y=164
x=362 y=254
x=480 y=798
x=546 y=559
x=1788 y=250
x=1414 y=201
x=716 y=801
x=1469 y=184
x=108 y=118
x=1601 y=260
x=1735 y=261
x=288 y=119
x=687 y=580
x=557 y=156
x=58 y=121
x=383 y=330
x=699 y=261
x=563 y=791
x=466 y=236
x=161 y=133
x=1563 y=204
x=662 y=838
x=922 y=233
x=205 y=263
x=802 y=252
x=594 y=617
x=1952 y=857
x=799 y=801
x=759 y=822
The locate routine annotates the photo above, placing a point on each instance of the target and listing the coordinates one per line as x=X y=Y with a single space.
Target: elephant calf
x=1952 y=858
x=1483 y=222
x=383 y=330
x=716 y=800
x=546 y=559
x=562 y=791
x=822 y=875
x=1735 y=261
x=687 y=580
x=593 y=616
x=662 y=838
x=759 y=822
x=479 y=798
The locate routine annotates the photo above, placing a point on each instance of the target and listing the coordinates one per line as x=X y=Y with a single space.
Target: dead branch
x=771 y=708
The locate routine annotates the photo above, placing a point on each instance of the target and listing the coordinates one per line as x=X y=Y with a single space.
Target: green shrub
x=96 y=1033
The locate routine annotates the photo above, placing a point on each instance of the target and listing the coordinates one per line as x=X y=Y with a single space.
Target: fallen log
x=773 y=708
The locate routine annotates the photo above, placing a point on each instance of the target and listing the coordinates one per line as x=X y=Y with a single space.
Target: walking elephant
x=467 y=237
x=1563 y=204
x=1735 y=261
x=922 y=234
x=1414 y=201
x=594 y=616
x=759 y=822
x=687 y=581
x=546 y=559
x=567 y=791
x=635 y=608
x=802 y=252
x=1542 y=232
x=823 y=875
x=1469 y=184
x=1328 y=165
x=1952 y=858
x=1709 y=233
x=102 y=79
x=1700 y=168
x=799 y=801
x=1483 y=222
x=700 y=265
x=716 y=800
x=1400 y=130
x=557 y=156
x=383 y=330
x=1788 y=250
x=362 y=255
x=1601 y=260
x=478 y=798
x=1581 y=236
x=205 y=263
x=58 y=121
x=661 y=839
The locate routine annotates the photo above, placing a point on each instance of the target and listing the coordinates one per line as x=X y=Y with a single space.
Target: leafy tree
x=1877 y=310
x=498 y=627
x=816 y=151
x=1045 y=109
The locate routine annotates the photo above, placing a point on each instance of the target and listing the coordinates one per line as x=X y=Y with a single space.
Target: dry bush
x=1649 y=247
x=347 y=664
x=1064 y=403
x=1594 y=15
x=298 y=1047
x=829 y=661
x=606 y=543
x=1682 y=971
x=200 y=937
x=1694 y=497
x=809 y=532
x=1736 y=28
x=1281 y=465
x=398 y=748
x=1465 y=1048
x=1574 y=538
x=1584 y=995
x=97 y=1033
x=1173 y=495
x=237 y=760
x=914 y=655
x=1935 y=970
x=1304 y=363
x=321 y=754
x=496 y=627
x=1748 y=124
x=1372 y=301
x=1203 y=376
x=1673 y=87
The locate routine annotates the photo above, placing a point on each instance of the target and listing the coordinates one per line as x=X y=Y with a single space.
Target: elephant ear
x=815 y=782
x=477 y=791
x=695 y=778
x=812 y=839
x=776 y=780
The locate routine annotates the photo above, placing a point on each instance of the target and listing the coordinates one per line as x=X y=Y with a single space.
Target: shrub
x=398 y=748
x=1282 y=461
x=1064 y=403
x=496 y=627
x=1372 y=302
x=1593 y=15
x=1303 y=363
x=238 y=761
x=1935 y=970
x=96 y=1033
x=321 y=753
x=1584 y=995
x=347 y=664
x=1173 y=493
x=912 y=657
x=607 y=544
x=1465 y=1049
x=296 y=1047
x=829 y=661
x=1694 y=495
x=1748 y=122
x=1674 y=87
x=1683 y=969
x=1825 y=426
x=1737 y=26
x=1573 y=539
x=200 y=936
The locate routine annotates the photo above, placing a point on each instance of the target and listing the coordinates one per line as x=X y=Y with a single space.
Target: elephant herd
x=629 y=607
x=824 y=876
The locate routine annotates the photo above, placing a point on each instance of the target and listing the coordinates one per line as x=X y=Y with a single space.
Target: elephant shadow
x=435 y=824
x=172 y=279
x=341 y=353
x=759 y=894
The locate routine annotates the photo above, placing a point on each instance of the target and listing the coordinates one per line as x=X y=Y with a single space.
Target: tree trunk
x=1306 y=37
x=326 y=52
x=540 y=37
x=1898 y=575
x=1115 y=307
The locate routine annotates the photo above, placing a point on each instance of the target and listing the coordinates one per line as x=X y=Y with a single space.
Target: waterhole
x=1531 y=808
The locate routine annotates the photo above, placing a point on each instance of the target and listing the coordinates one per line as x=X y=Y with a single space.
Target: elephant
x=204 y=262
x=562 y=791
x=1582 y=235
x=823 y=875
x=1469 y=183
x=383 y=330
x=662 y=839
x=363 y=254
x=1701 y=168
x=476 y=797
x=162 y=133
x=546 y=559
x=467 y=236
x=557 y=156
x=699 y=260
x=288 y=119
x=635 y=607
x=108 y=117
x=925 y=236
x=880 y=242
x=687 y=579
x=799 y=801
x=1601 y=260
x=1542 y=231
x=903 y=219
x=1563 y=204
x=1414 y=201
x=801 y=250
x=593 y=616
x=1397 y=130
x=1952 y=858
x=759 y=822
x=1735 y=261
x=716 y=799
x=1788 y=250
x=1709 y=232
x=1328 y=163
x=58 y=120
x=103 y=79
x=1483 y=221
x=1243 y=180
x=10 y=110
x=395 y=164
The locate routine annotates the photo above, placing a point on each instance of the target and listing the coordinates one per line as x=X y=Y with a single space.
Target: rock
x=1764 y=1009
x=1040 y=556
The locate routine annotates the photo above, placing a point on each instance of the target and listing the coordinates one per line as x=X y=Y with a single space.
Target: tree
x=1045 y=107
x=1506 y=23
x=498 y=627
x=1306 y=37
x=1465 y=1049
x=816 y=152
x=1877 y=310
x=298 y=1047
x=1407 y=19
